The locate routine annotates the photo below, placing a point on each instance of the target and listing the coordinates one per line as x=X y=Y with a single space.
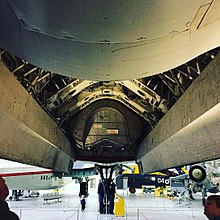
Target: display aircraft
x=21 y=177
x=136 y=180
x=32 y=178
x=202 y=177
x=109 y=81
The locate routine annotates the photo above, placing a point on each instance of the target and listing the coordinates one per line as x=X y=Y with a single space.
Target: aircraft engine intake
x=197 y=173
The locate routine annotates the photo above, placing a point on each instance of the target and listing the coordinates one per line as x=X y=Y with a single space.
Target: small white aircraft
x=32 y=178
x=26 y=177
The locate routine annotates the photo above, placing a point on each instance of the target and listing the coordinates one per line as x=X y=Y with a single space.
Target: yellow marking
x=158 y=173
x=112 y=131
x=97 y=125
x=134 y=170
x=185 y=170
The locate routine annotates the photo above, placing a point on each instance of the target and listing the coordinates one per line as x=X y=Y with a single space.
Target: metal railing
x=47 y=214
x=148 y=214
x=130 y=214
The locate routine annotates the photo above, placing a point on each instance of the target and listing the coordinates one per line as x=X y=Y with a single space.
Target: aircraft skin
x=32 y=178
x=201 y=175
x=137 y=180
x=26 y=177
x=109 y=41
x=113 y=46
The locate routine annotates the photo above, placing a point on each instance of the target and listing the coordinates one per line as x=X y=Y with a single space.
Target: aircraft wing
x=180 y=177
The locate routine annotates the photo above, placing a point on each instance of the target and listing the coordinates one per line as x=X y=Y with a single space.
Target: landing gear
x=15 y=195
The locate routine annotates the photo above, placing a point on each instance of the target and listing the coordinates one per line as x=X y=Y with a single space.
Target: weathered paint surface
x=189 y=132
x=27 y=133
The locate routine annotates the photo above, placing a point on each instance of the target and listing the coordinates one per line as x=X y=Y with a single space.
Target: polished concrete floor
x=140 y=206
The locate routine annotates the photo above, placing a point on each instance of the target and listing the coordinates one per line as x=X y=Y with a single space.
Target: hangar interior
x=109 y=82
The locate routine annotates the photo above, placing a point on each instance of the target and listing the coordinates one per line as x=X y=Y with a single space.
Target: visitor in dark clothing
x=101 y=193
x=83 y=203
x=5 y=213
x=111 y=197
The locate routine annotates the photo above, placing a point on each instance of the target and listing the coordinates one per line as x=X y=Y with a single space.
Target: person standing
x=190 y=191
x=204 y=195
x=5 y=212
x=84 y=187
x=101 y=193
x=112 y=192
x=83 y=203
